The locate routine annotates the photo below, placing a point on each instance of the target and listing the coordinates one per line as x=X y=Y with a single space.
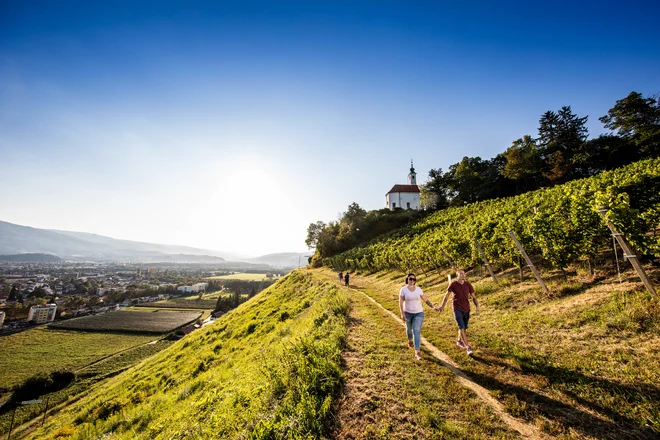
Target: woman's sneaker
x=410 y=343
x=460 y=344
x=469 y=351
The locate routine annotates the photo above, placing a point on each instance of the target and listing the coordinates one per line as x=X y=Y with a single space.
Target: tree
x=636 y=119
x=13 y=293
x=523 y=164
x=435 y=193
x=605 y=152
x=313 y=232
x=560 y=136
x=474 y=179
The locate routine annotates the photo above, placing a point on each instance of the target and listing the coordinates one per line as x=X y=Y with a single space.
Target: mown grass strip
x=388 y=394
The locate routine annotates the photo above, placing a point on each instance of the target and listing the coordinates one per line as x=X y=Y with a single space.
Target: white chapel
x=404 y=196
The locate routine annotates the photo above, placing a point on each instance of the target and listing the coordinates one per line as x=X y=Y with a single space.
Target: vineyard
x=561 y=225
x=131 y=321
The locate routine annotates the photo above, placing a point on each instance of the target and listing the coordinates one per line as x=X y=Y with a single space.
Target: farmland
x=42 y=350
x=85 y=378
x=147 y=321
x=207 y=301
x=242 y=276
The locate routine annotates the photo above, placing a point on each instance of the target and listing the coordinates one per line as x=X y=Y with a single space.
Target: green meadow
x=43 y=350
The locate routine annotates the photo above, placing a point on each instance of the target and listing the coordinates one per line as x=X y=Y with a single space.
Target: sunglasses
x=412 y=279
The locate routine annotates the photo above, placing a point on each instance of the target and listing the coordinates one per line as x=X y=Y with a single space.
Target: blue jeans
x=462 y=318
x=414 y=327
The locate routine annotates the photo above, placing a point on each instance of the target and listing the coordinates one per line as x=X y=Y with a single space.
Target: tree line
x=561 y=152
x=562 y=225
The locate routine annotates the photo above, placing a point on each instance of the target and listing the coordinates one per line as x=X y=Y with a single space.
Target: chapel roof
x=404 y=189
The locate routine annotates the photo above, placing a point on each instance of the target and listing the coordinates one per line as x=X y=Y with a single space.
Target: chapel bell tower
x=412 y=176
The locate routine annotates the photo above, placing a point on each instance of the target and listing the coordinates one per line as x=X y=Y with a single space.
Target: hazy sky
x=233 y=125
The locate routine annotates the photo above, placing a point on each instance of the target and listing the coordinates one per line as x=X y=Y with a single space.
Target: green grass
x=42 y=350
x=85 y=379
x=241 y=276
x=388 y=394
x=556 y=360
x=208 y=301
x=268 y=369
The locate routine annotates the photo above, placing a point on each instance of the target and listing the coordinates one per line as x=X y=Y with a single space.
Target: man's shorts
x=462 y=318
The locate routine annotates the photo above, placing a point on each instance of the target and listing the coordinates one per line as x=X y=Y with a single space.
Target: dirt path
x=389 y=395
x=526 y=430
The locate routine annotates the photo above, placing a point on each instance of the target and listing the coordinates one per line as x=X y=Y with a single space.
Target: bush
x=41 y=384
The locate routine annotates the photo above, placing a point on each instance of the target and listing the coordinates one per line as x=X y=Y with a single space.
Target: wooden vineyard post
x=483 y=257
x=629 y=254
x=529 y=262
x=451 y=262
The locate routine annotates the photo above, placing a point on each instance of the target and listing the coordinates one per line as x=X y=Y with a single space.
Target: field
x=241 y=276
x=86 y=377
x=208 y=301
x=42 y=350
x=140 y=321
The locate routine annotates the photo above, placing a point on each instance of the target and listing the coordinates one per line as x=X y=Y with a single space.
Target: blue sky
x=233 y=125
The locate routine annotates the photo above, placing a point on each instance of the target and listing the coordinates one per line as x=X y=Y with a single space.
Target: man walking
x=462 y=291
x=346 y=277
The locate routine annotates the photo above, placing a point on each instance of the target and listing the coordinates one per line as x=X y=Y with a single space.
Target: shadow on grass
x=568 y=416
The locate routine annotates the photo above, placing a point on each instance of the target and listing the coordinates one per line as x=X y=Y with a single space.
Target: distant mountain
x=32 y=258
x=288 y=260
x=17 y=239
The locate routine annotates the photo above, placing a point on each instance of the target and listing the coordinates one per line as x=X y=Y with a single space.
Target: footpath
x=389 y=394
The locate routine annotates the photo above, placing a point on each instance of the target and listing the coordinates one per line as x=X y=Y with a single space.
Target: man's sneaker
x=460 y=344
x=469 y=351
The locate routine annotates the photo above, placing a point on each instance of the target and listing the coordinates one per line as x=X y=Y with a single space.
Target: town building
x=404 y=196
x=42 y=314
x=184 y=289
x=199 y=287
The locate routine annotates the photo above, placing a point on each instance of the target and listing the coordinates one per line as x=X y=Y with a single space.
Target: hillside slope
x=268 y=369
x=304 y=359
x=578 y=363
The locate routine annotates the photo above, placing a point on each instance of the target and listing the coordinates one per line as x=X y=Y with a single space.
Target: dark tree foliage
x=637 y=119
x=357 y=226
x=560 y=136
x=561 y=153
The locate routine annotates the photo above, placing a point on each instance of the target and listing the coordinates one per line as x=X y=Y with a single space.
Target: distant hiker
x=462 y=291
x=412 y=313
x=346 y=277
x=341 y=277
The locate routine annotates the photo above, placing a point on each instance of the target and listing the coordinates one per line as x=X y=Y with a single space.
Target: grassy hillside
x=268 y=369
x=581 y=362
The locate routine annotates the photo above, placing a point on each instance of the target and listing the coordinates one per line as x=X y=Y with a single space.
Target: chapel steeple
x=412 y=176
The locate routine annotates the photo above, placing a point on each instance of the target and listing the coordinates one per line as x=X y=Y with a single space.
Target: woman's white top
x=412 y=299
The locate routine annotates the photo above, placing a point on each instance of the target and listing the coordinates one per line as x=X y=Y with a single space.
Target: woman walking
x=412 y=313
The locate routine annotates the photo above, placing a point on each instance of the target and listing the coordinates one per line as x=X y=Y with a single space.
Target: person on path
x=412 y=313
x=341 y=277
x=462 y=291
x=346 y=278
